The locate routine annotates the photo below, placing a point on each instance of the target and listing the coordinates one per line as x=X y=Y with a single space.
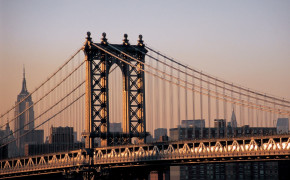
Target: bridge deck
x=264 y=148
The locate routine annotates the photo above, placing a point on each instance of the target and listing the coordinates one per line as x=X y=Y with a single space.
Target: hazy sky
x=246 y=42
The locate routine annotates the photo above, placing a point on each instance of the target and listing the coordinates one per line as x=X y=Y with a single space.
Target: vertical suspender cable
x=240 y=97
x=164 y=104
x=265 y=114
x=249 y=117
x=157 y=96
x=171 y=97
x=217 y=101
x=193 y=97
x=178 y=96
x=232 y=96
x=201 y=105
x=185 y=89
x=225 y=106
x=152 y=104
x=257 y=114
x=274 y=115
x=209 y=109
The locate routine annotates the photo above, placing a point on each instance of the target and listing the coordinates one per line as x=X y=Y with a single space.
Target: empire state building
x=24 y=122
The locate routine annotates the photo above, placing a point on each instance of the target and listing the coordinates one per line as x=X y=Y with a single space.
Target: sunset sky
x=246 y=42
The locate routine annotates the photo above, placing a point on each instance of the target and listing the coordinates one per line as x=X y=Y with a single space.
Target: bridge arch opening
x=116 y=88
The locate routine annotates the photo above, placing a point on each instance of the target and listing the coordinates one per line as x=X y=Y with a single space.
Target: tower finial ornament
x=140 y=41
x=23 y=71
x=125 y=40
x=104 y=39
x=88 y=42
x=89 y=36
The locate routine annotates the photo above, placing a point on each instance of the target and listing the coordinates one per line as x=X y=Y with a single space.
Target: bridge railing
x=44 y=162
x=193 y=150
x=267 y=148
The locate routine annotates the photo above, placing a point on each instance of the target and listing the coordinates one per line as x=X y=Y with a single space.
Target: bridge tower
x=99 y=59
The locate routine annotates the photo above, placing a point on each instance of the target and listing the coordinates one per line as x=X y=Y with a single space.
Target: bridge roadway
x=262 y=148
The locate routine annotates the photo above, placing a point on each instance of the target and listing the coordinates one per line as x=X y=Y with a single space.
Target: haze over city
x=246 y=41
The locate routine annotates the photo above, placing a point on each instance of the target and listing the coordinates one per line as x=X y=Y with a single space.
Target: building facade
x=160 y=133
x=61 y=139
x=282 y=125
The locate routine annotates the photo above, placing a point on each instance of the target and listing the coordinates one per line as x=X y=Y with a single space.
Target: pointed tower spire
x=234 y=119
x=7 y=126
x=23 y=71
x=24 y=89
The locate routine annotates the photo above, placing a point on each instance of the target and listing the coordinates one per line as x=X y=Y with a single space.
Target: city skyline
x=249 y=48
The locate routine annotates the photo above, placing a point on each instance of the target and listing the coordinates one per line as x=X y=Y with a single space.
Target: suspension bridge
x=91 y=116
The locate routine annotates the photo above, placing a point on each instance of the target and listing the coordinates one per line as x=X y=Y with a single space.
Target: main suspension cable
x=221 y=81
x=234 y=99
x=44 y=95
x=116 y=56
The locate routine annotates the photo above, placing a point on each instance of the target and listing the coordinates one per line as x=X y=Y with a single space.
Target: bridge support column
x=99 y=59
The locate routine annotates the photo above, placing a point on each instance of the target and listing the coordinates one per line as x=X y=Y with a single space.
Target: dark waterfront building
x=24 y=121
x=160 y=134
x=243 y=170
x=198 y=123
x=247 y=170
x=201 y=133
x=61 y=139
x=195 y=129
x=61 y=135
x=219 y=123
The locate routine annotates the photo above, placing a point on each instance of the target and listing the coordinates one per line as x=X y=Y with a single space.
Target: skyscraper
x=24 y=122
x=159 y=133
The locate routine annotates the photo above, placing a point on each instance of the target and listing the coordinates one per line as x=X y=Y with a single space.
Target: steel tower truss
x=99 y=59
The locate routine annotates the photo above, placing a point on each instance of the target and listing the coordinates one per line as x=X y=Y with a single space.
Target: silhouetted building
x=234 y=120
x=219 y=123
x=242 y=170
x=60 y=139
x=61 y=135
x=7 y=137
x=115 y=127
x=24 y=122
x=160 y=134
x=282 y=125
x=198 y=123
x=3 y=151
x=189 y=133
x=149 y=138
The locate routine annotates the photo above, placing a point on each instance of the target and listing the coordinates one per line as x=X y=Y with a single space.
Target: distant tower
x=12 y=145
x=233 y=120
x=23 y=117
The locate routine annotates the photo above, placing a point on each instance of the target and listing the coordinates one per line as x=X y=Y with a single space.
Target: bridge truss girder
x=264 y=148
